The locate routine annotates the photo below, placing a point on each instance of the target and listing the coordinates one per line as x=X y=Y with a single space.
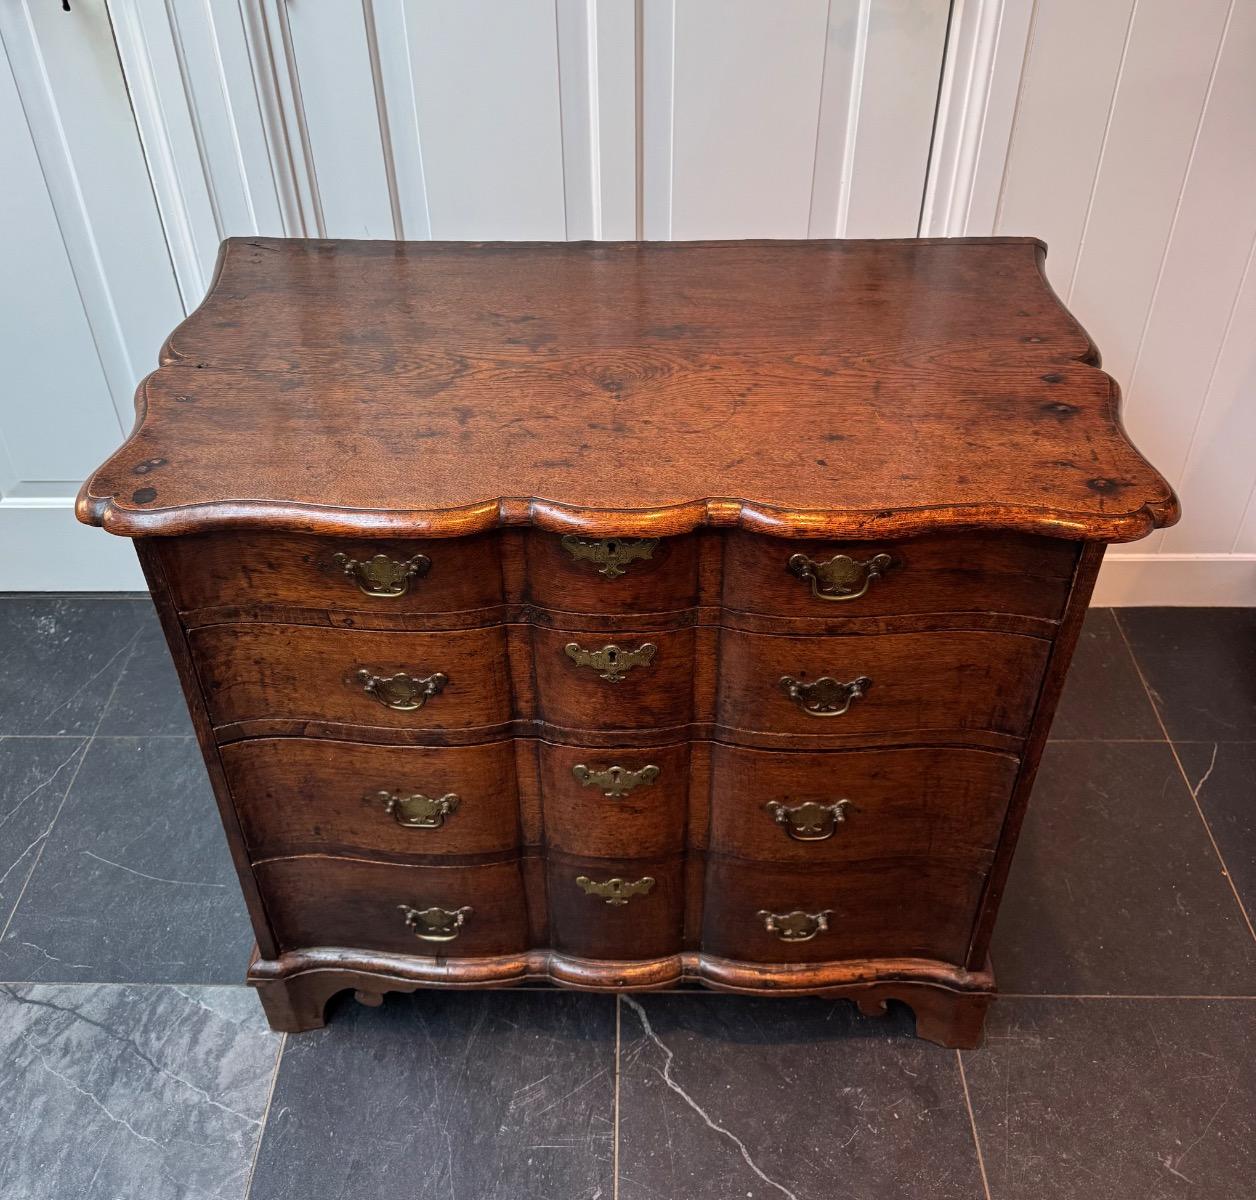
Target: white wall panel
x=1133 y=152
x=88 y=292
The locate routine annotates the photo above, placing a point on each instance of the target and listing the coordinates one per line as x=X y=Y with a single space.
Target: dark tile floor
x=1117 y=1064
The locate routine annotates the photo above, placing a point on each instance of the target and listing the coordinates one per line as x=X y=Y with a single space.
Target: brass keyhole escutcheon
x=841 y=577
x=611 y=662
x=382 y=576
x=825 y=697
x=610 y=555
x=436 y=924
x=616 y=892
x=796 y=926
x=615 y=781
x=414 y=810
x=810 y=821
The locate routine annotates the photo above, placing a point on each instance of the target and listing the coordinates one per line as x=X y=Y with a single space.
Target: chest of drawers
x=625 y=615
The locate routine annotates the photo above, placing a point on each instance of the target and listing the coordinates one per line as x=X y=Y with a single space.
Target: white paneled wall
x=1132 y=152
x=549 y=119
x=86 y=289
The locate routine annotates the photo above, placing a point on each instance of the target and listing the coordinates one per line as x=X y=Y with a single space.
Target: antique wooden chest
x=624 y=615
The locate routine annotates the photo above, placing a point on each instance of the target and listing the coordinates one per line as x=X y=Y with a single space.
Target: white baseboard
x=1182 y=580
x=44 y=549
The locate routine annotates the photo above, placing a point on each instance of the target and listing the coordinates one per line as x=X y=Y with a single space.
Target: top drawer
x=372 y=575
x=966 y=572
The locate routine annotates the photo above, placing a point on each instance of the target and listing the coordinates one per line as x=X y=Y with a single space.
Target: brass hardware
x=402 y=692
x=611 y=555
x=381 y=575
x=436 y=924
x=616 y=891
x=615 y=781
x=809 y=822
x=796 y=926
x=611 y=662
x=825 y=697
x=417 y=811
x=842 y=577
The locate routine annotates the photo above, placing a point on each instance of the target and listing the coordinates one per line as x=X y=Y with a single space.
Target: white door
x=86 y=289
x=512 y=119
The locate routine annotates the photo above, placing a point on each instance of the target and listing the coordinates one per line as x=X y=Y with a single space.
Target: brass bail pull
x=380 y=575
x=825 y=697
x=811 y=821
x=841 y=577
x=796 y=926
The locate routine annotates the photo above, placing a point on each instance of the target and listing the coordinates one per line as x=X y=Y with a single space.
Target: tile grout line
x=972 y=1124
x=619 y=1008
x=1194 y=792
x=261 y=1133
x=69 y=787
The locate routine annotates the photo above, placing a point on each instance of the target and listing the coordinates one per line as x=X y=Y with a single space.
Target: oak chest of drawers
x=625 y=615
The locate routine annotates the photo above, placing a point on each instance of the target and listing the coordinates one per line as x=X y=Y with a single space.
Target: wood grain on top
x=825 y=389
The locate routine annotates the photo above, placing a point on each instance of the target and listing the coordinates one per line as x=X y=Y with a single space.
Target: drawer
x=624 y=680
x=611 y=575
x=884 y=908
x=348 y=902
x=915 y=682
x=302 y=672
x=846 y=805
x=364 y=575
x=618 y=909
x=1005 y=573
x=608 y=803
x=302 y=796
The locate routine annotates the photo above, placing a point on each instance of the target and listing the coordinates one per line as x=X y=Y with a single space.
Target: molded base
x=950 y=1003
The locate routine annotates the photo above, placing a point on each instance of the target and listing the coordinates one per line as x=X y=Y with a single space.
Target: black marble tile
x=148 y=699
x=34 y=775
x=120 y=1092
x=1103 y=695
x=62 y=656
x=726 y=1097
x=491 y=1096
x=1115 y=888
x=135 y=883
x=1223 y=776
x=1119 y=1099
x=1200 y=664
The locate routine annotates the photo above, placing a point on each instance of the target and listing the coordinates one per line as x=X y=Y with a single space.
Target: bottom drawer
x=348 y=902
x=904 y=908
x=615 y=909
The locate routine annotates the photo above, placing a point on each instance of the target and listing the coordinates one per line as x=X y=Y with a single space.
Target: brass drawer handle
x=616 y=891
x=842 y=577
x=825 y=697
x=436 y=924
x=381 y=575
x=402 y=692
x=615 y=781
x=809 y=822
x=611 y=661
x=610 y=555
x=417 y=811
x=796 y=926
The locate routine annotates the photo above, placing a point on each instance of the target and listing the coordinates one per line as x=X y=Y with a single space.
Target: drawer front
x=619 y=909
x=605 y=803
x=365 y=905
x=915 y=908
x=611 y=575
x=302 y=796
x=619 y=680
x=263 y=671
x=913 y=681
x=369 y=575
x=1005 y=573
x=845 y=806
